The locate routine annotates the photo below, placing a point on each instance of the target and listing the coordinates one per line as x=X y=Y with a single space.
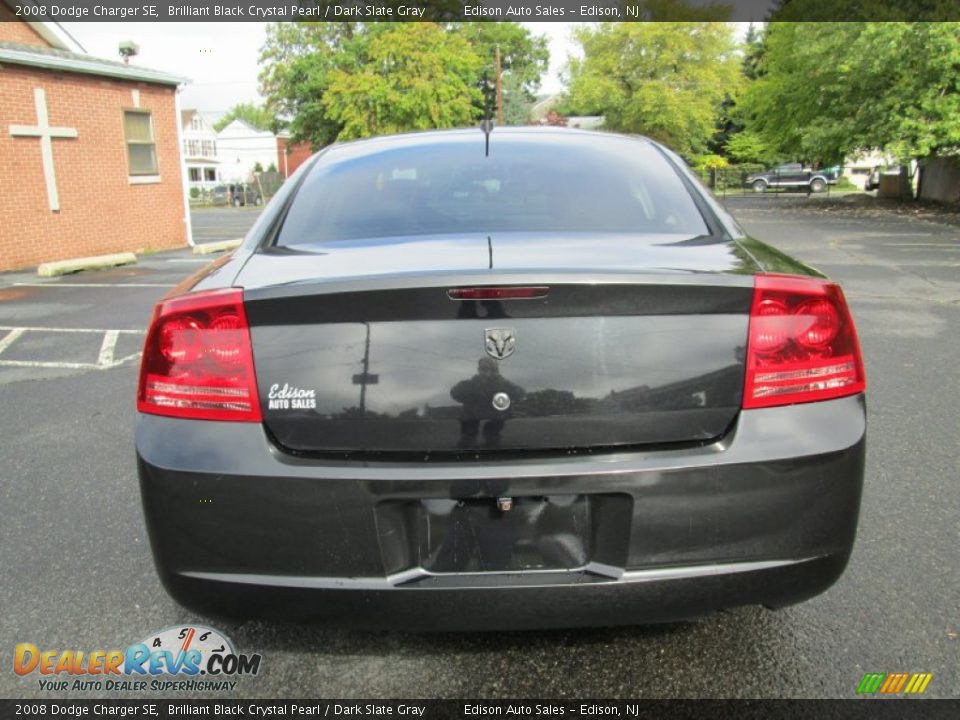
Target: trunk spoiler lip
x=446 y=280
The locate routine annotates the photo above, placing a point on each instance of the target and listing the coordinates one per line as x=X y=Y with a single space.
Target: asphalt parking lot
x=78 y=572
x=212 y=224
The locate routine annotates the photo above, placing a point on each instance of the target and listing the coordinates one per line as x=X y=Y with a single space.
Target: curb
x=208 y=248
x=98 y=262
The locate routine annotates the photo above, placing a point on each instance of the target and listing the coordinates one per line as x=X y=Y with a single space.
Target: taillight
x=802 y=345
x=198 y=361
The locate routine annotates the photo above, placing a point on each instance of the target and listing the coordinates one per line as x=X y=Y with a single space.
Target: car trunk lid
x=390 y=364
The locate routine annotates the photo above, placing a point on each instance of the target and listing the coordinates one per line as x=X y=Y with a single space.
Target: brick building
x=90 y=157
x=290 y=156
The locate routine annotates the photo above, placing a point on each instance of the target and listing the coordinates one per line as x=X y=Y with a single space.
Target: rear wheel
x=818 y=185
x=759 y=186
x=236 y=202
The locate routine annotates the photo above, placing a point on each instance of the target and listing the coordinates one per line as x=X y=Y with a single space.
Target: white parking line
x=44 y=364
x=68 y=330
x=105 y=358
x=9 y=339
x=107 y=347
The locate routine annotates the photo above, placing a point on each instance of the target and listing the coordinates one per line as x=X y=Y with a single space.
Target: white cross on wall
x=46 y=134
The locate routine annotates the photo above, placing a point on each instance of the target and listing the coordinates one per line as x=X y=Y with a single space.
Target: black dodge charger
x=542 y=382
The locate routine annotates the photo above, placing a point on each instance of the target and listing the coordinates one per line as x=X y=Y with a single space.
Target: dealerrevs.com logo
x=188 y=658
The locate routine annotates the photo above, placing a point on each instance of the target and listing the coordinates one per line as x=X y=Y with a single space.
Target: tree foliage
x=754 y=47
x=413 y=76
x=826 y=90
x=748 y=147
x=524 y=58
x=252 y=114
x=345 y=80
x=517 y=101
x=296 y=62
x=665 y=80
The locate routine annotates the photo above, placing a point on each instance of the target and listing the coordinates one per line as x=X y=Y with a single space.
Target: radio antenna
x=489 y=100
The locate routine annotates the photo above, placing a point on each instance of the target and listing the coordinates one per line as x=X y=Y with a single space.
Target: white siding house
x=858 y=167
x=199 y=150
x=240 y=147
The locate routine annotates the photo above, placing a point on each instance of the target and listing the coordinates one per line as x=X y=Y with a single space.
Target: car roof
x=513 y=135
x=426 y=138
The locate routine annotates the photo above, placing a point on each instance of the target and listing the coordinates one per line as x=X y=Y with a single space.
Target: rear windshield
x=605 y=185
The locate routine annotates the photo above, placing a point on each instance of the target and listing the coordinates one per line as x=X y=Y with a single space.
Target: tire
x=759 y=186
x=818 y=185
x=258 y=201
x=237 y=202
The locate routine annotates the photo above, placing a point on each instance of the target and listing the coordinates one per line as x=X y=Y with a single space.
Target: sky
x=221 y=58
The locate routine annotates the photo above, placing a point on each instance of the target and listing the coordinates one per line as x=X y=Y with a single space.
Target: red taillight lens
x=802 y=344
x=819 y=323
x=198 y=361
x=772 y=333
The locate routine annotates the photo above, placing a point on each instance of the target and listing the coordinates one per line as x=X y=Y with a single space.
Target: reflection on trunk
x=479 y=396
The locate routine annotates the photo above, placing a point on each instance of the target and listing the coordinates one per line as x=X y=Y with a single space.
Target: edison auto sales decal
x=290 y=397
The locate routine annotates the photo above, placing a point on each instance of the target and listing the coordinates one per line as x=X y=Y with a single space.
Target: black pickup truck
x=793 y=176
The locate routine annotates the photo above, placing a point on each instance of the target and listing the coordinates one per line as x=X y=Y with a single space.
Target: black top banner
x=485 y=10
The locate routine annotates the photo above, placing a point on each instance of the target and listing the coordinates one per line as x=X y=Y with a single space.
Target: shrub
x=711 y=162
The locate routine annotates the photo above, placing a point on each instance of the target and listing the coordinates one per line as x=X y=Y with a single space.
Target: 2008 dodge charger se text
x=552 y=385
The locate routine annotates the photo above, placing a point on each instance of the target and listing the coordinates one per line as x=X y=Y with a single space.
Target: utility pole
x=366 y=374
x=499 y=89
x=366 y=377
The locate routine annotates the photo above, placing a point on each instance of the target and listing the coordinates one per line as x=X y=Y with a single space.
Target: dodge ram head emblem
x=499 y=342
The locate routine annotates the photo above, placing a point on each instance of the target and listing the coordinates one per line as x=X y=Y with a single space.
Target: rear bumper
x=767 y=515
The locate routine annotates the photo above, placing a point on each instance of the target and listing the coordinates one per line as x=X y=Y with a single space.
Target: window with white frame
x=141 y=148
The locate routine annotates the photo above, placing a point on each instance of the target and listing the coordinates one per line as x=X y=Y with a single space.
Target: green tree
x=300 y=62
x=754 y=47
x=748 y=147
x=524 y=58
x=826 y=90
x=412 y=76
x=259 y=117
x=731 y=140
x=517 y=102
x=665 y=80
x=296 y=62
